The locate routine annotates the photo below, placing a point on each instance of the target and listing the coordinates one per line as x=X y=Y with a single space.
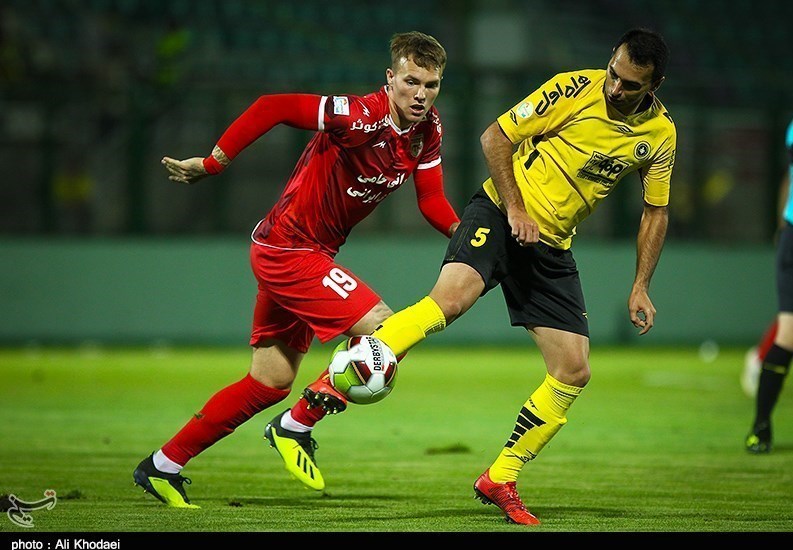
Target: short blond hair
x=423 y=49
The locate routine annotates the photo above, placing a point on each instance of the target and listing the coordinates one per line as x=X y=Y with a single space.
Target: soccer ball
x=364 y=369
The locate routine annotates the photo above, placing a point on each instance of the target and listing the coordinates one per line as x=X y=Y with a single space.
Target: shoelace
x=176 y=478
x=510 y=499
x=308 y=443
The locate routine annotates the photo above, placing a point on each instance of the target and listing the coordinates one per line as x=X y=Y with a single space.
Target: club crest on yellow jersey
x=642 y=150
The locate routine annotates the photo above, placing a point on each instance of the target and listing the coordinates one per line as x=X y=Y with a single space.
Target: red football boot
x=505 y=496
x=321 y=393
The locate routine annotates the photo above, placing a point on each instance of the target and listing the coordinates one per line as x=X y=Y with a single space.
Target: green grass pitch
x=654 y=444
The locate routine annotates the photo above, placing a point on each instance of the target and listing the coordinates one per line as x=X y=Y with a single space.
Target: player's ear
x=389 y=76
x=657 y=84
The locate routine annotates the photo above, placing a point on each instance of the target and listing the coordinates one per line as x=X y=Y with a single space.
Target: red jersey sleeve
x=296 y=110
x=434 y=205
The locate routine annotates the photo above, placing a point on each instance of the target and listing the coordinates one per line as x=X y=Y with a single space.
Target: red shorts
x=303 y=293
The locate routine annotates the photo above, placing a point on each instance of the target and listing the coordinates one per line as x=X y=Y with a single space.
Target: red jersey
x=356 y=159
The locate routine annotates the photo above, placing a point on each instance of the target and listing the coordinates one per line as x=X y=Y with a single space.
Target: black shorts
x=784 y=269
x=540 y=283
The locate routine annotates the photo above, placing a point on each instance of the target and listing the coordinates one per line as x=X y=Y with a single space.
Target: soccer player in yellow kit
x=577 y=136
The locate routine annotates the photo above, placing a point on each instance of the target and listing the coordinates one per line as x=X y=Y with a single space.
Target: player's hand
x=642 y=310
x=524 y=229
x=185 y=171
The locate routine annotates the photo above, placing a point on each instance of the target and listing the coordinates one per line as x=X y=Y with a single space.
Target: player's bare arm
x=649 y=243
x=498 y=150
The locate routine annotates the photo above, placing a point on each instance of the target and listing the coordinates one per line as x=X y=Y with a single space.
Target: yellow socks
x=406 y=328
x=538 y=421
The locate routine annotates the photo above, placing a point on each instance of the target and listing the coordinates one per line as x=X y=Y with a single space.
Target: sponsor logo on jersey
x=381 y=179
x=642 y=150
x=373 y=127
x=550 y=97
x=602 y=169
x=341 y=105
x=416 y=145
x=372 y=190
x=438 y=127
x=367 y=195
x=623 y=129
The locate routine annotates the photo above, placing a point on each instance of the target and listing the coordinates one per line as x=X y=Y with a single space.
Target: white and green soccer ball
x=363 y=368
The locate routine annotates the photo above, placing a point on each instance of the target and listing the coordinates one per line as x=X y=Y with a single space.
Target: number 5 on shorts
x=480 y=237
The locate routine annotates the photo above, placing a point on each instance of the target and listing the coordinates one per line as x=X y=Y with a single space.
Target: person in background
x=775 y=362
x=753 y=360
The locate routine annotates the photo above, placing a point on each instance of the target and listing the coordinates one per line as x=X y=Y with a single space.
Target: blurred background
x=96 y=243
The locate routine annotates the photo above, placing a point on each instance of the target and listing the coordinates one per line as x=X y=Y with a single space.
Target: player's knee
x=279 y=380
x=452 y=306
x=275 y=366
x=371 y=321
x=573 y=371
x=581 y=376
x=451 y=311
x=380 y=313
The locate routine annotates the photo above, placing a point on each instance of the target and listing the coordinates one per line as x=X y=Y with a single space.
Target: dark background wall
x=201 y=291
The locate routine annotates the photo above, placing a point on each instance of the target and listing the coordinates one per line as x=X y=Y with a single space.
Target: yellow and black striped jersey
x=574 y=148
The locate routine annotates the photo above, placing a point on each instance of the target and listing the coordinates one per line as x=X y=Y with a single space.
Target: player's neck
x=398 y=122
x=642 y=106
x=627 y=112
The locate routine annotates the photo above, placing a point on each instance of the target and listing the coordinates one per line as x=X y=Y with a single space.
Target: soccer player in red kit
x=365 y=148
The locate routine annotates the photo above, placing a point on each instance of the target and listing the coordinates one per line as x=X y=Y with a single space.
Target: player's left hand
x=641 y=310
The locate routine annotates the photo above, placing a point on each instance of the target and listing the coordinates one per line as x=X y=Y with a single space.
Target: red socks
x=221 y=415
x=301 y=413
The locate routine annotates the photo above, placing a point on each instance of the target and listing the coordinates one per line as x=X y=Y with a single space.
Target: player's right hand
x=185 y=171
x=524 y=229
